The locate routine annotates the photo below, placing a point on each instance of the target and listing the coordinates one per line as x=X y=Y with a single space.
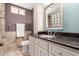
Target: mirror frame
x=46 y=20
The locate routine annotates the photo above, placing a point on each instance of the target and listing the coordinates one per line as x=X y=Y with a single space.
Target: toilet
x=25 y=46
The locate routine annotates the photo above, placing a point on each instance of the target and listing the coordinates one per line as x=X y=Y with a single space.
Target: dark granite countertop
x=72 y=42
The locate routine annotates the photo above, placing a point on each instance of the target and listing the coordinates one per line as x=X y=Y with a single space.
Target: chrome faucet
x=49 y=33
x=54 y=35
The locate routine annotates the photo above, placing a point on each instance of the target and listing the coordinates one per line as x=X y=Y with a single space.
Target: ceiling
x=29 y=6
x=26 y=5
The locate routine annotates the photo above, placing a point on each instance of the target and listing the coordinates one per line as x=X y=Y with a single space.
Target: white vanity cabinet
x=41 y=43
x=50 y=54
x=41 y=47
x=38 y=47
x=31 y=46
x=40 y=51
x=59 y=50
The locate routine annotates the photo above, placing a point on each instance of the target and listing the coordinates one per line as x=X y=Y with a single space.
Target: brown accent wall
x=11 y=19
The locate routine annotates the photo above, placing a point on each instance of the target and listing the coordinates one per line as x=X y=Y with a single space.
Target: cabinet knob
x=60 y=53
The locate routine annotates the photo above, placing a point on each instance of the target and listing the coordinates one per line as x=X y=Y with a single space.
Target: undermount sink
x=46 y=36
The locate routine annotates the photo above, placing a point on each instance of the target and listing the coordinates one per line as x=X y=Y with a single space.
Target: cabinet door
x=60 y=50
x=42 y=43
x=51 y=54
x=36 y=50
x=43 y=52
x=31 y=48
x=40 y=52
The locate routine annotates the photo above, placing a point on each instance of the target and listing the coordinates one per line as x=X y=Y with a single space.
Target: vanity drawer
x=60 y=50
x=42 y=43
x=36 y=40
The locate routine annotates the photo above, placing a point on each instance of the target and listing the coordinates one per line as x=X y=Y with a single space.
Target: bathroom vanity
x=58 y=19
x=61 y=46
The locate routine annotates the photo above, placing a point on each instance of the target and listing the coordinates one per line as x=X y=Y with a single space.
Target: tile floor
x=16 y=52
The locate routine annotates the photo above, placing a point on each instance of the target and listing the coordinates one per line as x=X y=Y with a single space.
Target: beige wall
x=11 y=36
x=2 y=17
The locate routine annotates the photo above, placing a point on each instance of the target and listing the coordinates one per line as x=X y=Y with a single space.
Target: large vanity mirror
x=54 y=16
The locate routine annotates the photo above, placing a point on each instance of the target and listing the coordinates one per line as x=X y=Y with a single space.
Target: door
x=40 y=51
